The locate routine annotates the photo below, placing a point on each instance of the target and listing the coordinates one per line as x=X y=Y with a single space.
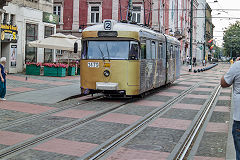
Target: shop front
x=9 y=38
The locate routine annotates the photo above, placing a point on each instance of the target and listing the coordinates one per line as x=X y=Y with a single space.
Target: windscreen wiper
x=101 y=53
x=108 y=53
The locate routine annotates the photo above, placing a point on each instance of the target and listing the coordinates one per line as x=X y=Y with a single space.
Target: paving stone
x=184 y=114
x=67 y=147
x=193 y=101
x=130 y=154
x=223 y=103
x=225 y=94
x=135 y=110
x=206 y=86
x=2 y=146
x=159 y=98
x=148 y=103
x=95 y=132
x=155 y=139
x=201 y=92
x=119 y=118
x=42 y=155
x=174 y=90
x=95 y=106
x=220 y=117
x=213 y=145
x=8 y=115
x=41 y=125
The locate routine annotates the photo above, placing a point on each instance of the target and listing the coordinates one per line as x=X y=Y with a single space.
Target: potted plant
x=61 y=69
x=50 y=69
x=71 y=69
x=33 y=68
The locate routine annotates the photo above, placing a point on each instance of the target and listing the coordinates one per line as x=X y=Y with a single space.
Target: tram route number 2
x=93 y=64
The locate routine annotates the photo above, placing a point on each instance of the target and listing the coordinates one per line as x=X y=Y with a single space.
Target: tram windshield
x=115 y=50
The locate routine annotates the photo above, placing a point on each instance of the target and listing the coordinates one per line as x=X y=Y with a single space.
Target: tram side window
x=84 y=50
x=149 y=54
x=143 y=49
x=171 y=52
x=160 y=51
x=175 y=52
x=153 y=50
x=134 y=50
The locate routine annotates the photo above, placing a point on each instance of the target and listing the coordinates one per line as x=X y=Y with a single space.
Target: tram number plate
x=93 y=64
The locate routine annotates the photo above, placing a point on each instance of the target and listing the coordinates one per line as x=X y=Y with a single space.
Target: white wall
x=200 y=28
x=27 y=15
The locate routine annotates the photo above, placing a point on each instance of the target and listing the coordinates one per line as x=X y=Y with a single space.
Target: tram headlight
x=106 y=73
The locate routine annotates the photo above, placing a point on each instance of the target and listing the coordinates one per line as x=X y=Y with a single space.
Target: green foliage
x=232 y=40
x=218 y=52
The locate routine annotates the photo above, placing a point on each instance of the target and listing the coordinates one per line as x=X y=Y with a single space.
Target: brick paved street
x=25 y=116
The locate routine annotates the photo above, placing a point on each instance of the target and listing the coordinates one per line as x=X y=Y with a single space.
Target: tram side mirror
x=75 y=47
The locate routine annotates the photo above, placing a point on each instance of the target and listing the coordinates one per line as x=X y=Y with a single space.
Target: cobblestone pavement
x=157 y=141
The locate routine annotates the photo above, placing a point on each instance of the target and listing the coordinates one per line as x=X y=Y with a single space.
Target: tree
x=218 y=52
x=231 y=40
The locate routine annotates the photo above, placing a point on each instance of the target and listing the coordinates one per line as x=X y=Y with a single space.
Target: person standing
x=2 y=78
x=194 y=61
x=232 y=77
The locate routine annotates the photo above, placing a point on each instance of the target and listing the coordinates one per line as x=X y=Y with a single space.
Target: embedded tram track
x=20 y=147
x=44 y=114
x=130 y=131
x=185 y=149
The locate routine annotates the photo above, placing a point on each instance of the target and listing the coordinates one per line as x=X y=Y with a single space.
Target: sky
x=221 y=23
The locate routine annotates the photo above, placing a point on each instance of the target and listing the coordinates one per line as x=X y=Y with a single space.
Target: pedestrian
x=232 y=77
x=194 y=61
x=188 y=60
x=2 y=78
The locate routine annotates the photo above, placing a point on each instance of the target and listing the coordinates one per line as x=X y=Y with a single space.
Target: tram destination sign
x=107 y=34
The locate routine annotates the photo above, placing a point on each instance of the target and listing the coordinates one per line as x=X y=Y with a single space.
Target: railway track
x=187 y=144
x=105 y=149
x=18 y=148
x=41 y=115
x=100 y=152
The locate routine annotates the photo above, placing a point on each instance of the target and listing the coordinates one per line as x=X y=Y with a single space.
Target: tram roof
x=126 y=27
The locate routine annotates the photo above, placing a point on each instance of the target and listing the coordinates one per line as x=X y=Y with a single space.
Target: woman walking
x=2 y=79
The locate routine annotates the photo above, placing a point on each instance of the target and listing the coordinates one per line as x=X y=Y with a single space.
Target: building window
x=95 y=14
x=48 y=53
x=12 y=20
x=57 y=11
x=136 y=14
x=5 y=18
x=31 y=35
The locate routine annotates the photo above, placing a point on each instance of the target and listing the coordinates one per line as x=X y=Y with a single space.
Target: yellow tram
x=127 y=59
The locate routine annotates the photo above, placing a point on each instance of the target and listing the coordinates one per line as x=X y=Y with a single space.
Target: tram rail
x=100 y=152
x=185 y=148
x=20 y=147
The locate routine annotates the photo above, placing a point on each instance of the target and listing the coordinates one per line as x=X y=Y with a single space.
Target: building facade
x=209 y=31
x=29 y=20
x=201 y=29
x=166 y=16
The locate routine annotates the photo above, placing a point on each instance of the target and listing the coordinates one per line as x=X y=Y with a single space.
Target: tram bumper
x=106 y=86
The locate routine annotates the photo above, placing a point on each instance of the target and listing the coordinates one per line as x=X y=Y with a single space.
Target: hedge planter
x=33 y=70
x=50 y=71
x=71 y=71
x=61 y=72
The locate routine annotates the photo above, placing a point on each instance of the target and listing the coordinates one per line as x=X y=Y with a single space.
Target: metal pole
x=205 y=25
x=191 y=37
